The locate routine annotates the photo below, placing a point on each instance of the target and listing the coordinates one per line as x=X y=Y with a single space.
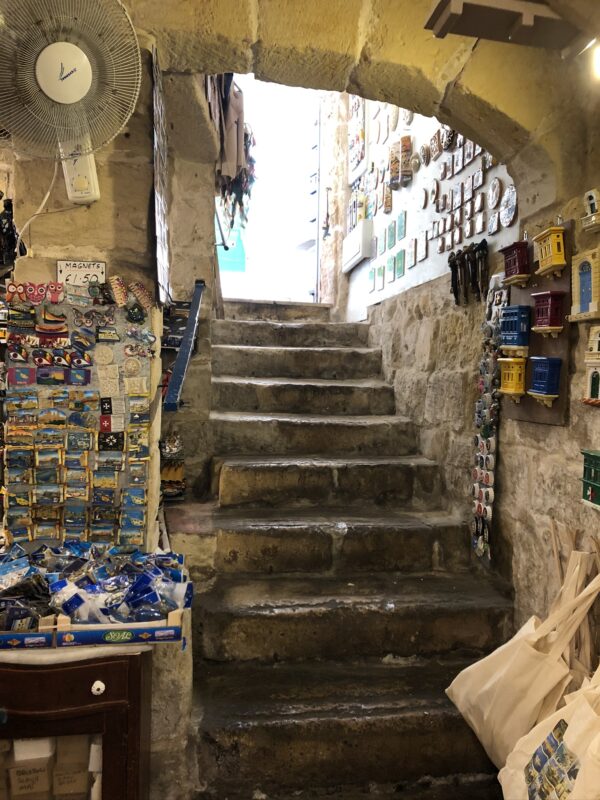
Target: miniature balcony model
x=590 y=222
x=592 y=368
x=513 y=377
x=514 y=330
x=551 y=251
x=548 y=313
x=585 y=281
x=517 y=268
x=545 y=379
x=591 y=477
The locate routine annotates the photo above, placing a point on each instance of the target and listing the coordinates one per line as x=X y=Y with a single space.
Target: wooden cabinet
x=106 y=696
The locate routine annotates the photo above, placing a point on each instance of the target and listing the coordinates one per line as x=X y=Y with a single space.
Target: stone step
x=330 y=363
x=336 y=541
x=295 y=395
x=290 y=334
x=270 y=619
x=277 y=311
x=340 y=543
x=280 y=434
x=272 y=731
x=404 y=481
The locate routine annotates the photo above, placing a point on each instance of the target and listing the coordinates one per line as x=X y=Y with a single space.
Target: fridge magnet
x=457 y=196
x=391 y=237
x=422 y=246
x=412 y=253
x=401 y=226
x=493 y=223
x=458 y=161
x=371 y=280
x=387 y=199
x=435 y=145
x=391 y=269
x=478 y=179
x=400 y=256
x=468 y=189
x=469 y=152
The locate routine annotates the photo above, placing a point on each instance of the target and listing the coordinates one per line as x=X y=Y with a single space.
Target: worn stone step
x=298 y=727
x=330 y=363
x=290 y=334
x=302 y=396
x=273 y=310
x=337 y=541
x=301 y=618
x=406 y=482
x=280 y=434
x=340 y=543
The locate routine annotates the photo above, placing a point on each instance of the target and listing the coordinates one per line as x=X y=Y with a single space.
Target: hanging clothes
x=233 y=158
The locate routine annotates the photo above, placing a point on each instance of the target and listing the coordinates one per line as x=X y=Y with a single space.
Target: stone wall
x=119 y=229
x=334 y=171
x=431 y=352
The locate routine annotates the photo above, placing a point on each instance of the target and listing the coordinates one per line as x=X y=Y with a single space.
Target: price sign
x=81 y=273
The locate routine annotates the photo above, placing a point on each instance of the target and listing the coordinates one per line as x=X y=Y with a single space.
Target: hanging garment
x=233 y=158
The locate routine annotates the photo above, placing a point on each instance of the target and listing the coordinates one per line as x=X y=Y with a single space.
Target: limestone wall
x=431 y=352
x=119 y=229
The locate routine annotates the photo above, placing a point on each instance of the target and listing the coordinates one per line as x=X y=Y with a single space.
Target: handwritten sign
x=81 y=273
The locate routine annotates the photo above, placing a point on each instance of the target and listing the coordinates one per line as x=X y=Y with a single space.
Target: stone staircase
x=340 y=603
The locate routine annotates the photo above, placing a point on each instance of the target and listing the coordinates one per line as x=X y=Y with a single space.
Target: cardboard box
x=31 y=778
x=33 y=749
x=73 y=750
x=69 y=781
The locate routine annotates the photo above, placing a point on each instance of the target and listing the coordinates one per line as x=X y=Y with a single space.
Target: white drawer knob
x=98 y=688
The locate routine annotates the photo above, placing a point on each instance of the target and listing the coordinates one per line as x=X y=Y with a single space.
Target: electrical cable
x=40 y=209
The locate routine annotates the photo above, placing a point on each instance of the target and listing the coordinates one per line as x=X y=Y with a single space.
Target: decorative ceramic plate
x=434 y=191
x=508 y=206
x=425 y=154
x=494 y=193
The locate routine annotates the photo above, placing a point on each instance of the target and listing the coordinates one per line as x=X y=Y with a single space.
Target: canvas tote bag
x=505 y=694
x=560 y=757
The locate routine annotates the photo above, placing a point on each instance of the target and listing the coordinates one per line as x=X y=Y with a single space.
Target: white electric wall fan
x=70 y=77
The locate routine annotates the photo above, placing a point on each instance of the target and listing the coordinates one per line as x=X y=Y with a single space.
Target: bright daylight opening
x=272 y=236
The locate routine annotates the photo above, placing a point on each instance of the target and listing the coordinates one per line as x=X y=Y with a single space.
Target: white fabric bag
x=503 y=696
x=560 y=757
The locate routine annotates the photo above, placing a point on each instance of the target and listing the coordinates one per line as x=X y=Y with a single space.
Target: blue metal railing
x=172 y=399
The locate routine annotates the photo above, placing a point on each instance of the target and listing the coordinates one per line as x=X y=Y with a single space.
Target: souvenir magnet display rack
x=77 y=412
x=487 y=411
x=535 y=339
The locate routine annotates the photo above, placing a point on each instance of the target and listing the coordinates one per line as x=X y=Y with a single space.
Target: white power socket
x=80 y=173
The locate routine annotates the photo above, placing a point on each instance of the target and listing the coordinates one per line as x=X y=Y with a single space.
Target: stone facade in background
x=333 y=287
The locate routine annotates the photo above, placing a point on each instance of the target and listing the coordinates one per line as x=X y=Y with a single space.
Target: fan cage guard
x=104 y=31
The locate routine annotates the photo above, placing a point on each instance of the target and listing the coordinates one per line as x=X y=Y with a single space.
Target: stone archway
x=514 y=100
